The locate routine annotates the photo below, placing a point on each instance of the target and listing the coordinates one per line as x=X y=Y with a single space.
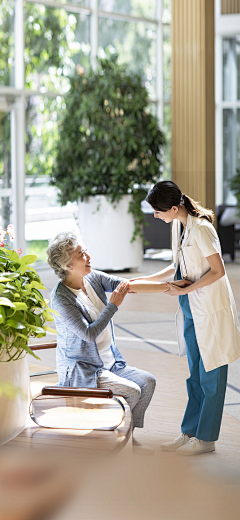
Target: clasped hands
x=177 y=288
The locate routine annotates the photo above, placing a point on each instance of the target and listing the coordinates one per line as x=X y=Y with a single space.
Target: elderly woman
x=87 y=355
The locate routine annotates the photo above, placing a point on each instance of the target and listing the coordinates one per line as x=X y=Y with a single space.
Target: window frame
x=225 y=26
x=19 y=93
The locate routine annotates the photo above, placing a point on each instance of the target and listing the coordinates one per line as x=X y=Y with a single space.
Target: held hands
x=119 y=294
x=178 y=288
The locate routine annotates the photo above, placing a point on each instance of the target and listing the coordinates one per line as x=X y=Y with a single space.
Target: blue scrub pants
x=206 y=390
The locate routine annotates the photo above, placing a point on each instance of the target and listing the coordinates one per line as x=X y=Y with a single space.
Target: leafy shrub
x=109 y=143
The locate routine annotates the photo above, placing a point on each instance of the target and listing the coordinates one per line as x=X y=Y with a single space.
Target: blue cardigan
x=78 y=360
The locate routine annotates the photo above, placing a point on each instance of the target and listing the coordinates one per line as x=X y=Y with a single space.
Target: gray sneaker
x=176 y=443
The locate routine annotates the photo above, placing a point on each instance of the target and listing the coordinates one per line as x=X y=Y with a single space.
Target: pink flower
x=2 y=244
x=19 y=251
x=10 y=231
x=2 y=233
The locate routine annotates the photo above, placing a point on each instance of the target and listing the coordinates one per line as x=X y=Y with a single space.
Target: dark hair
x=166 y=194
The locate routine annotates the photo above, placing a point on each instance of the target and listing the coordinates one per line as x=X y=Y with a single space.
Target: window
x=35 y=78
x=231 y=113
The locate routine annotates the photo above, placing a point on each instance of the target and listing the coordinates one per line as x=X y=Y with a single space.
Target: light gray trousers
x=135 y=385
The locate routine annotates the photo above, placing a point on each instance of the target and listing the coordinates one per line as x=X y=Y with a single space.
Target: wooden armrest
x=43 y=346
x=77 y=392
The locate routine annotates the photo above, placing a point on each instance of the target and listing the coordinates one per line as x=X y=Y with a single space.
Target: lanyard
x=181 y=259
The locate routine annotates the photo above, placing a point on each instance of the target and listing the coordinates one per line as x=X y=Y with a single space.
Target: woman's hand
x=119 y=294
x=182 y=283
x=175 y=290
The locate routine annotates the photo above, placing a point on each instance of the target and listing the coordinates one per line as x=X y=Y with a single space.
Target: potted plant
x=108 y=153
x=23 y=314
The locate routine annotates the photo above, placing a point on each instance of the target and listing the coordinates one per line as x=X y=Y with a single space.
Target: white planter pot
x=107 y=230
x=14 y=412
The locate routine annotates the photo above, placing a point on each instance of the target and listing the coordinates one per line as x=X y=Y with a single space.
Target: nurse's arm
x=160 y=276
x=215 y=273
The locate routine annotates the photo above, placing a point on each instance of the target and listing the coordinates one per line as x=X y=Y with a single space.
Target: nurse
x=207 y=324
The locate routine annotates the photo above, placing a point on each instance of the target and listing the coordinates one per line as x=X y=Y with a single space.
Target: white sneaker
x=176 y=443
x=195 y=447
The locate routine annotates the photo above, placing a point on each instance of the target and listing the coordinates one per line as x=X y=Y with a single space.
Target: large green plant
x=235 y=187
x=23 y=309
x=109 y=142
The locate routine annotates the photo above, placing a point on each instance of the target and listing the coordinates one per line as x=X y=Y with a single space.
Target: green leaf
x=29 y=259
x=38 y=330
x=13 y=256
x=36 y=285
x=33 y=270
x=2 y=279
x=10 y=287
x=53 y=311
x=6 y=302
x=21 y=306
x=39 y=295
x=22 y=335
x=49 y=329
x=22 y=269
x=48 y=316
x=15 y=324
x=10 y=275
x=2 y=315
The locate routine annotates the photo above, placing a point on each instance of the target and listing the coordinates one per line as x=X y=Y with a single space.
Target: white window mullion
x=218 y=122
x=18 y=132
x=159 y=63
x=94 y=32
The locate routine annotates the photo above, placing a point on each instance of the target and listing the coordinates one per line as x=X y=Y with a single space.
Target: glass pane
x=166 y=11
x=56 y=42
x=231 y=68
x=5 y=170
x=135 y=43
x=167 y=98
x=231 y=150
x=7 y=42
x=167 y=62
x=139 y=8
x=44 y=215
x=167 y=128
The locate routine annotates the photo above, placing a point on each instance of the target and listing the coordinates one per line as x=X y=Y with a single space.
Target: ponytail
x=194 y=209
x=166 y=194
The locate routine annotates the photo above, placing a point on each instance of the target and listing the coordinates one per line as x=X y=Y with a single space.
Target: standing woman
x=207 y=324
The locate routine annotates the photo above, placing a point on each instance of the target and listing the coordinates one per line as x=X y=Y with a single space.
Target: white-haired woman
x=87 y=354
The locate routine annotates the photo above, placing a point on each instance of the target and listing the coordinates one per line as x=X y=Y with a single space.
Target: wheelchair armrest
x=43 y=346
x=77 y=392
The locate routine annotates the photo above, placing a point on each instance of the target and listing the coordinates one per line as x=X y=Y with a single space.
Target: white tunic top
x=213 y=307
x=95 y=307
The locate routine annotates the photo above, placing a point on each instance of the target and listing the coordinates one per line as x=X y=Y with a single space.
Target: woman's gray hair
x=60 y=252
